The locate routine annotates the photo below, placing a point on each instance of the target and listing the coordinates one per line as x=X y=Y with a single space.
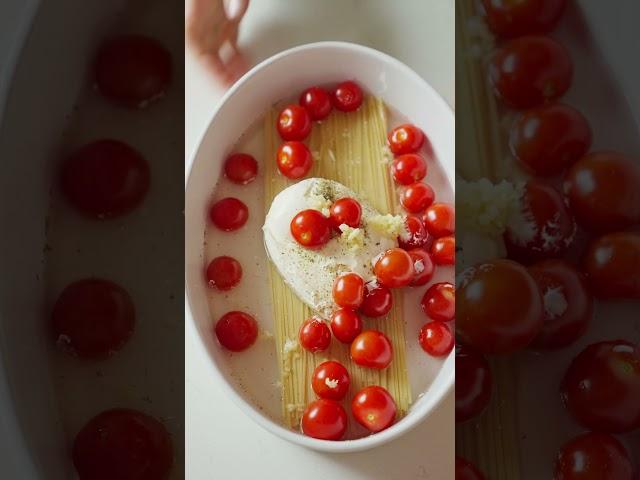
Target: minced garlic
x=352 y=238
x=388 y=225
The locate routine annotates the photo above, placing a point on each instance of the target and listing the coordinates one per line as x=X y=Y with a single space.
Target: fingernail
x=234 y=8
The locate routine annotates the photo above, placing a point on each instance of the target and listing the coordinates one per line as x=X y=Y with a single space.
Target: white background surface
x=222 y=443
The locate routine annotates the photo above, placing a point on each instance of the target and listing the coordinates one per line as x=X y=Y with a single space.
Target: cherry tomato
x=443 y=250
x=529 y=71
x=377 y=300
x=474 y=383
x=593 y=456
x=568 y=305
x=123 y=444
x=348 y=290
x=415 y=235
x=229 y=214
x=133 y=70
x=372 y=349
x=422 y=266
x=394 y=268
x=346 y=325
x=416 y=197
x=374 y=408
x=347 y=96
x=612 y=265
x=105 y=179
x=440 y=220
x=93 y=318
x=436 y=339
x=523 y=17
x=604 y=191
x=330 y=380
x=324 y=419
x=465 y=470
x=542 y=227
x=317 y=102
x=294 y=123
x=406 y=139
x=439 y=302
x=548 y=139
x=241 y=168
x=345 y=211
x=294 y=160
x=499 y=307
x=310 y=228
x=236 y=331
x=409 y=168
x=314 y=335
x=601 y=388
x=224 y=273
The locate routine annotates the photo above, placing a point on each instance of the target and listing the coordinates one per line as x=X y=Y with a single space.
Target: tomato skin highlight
x=317 y=102
x=474 y=383
x=439 y=302
x=372 y=349
x=394 y=268
x=93 y=318
x=548 y=139
x=374 y=408
x=347 y=97
x=324 y=419
x=241 y=168
x=422 y=265
x=224 y=273
x=514 y=19
x=443 y=250
x=601 y=388
x=346 y=325
x=310 y=228
x=345 y=211
x=123 y=444
x=529 y=71
x=377 y=300
x=348 y=290
x=314 y=335
x=406 y=139
x=440 y=220
x=229 y=214
x=408 y=168
x=294 y=123
x=294 y=160
x=436 y=339
x=236 y=331
x=465 y=470
x=330 y=380
x=417 y=197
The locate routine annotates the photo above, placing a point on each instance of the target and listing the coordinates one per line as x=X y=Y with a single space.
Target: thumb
x=236 y=9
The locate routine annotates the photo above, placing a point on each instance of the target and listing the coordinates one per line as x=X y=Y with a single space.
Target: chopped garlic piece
x=331 y=383
x=318 y=202
x=353 y=238
x=290 y=346
x=485 y=207
x=390 y=226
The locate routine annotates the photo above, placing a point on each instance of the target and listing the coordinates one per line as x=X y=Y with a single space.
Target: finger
x=236 y=9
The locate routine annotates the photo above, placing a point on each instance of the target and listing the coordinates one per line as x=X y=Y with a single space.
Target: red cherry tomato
x=405 y=139
x=474 y=383
x=542 y=227
x=133 y=70
x=436 y=339
x=317 y=102
x=604 y=191
x=529 y=71
x=548 y=139
x=310 y=228
x=443 y=251
x=416 y=197
x=229 y=214
x=330 y=380
x=415 y=236
x=439 y=302
x=345 y=211
x=345 y=325
x=440 y=220
x=601 y=388
x=374 y=408
x=105 y=179
x=593 y=456
x=294 y=160
x=236 y=331
x=93 y=318
x=377 y=300
x=422 y=266
x=123 y=444
x=465 y=470
x=241 y=168
x=224 y=273
x=394 y=268
x=347 y=96
x=409 y=168
x=568 y=305
x=348 y=290
x=372 y=349
x=524 y=17
x=499 y=307
x=314 y=335
x=612 y=265
x=324 y=419
x=294 y=123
